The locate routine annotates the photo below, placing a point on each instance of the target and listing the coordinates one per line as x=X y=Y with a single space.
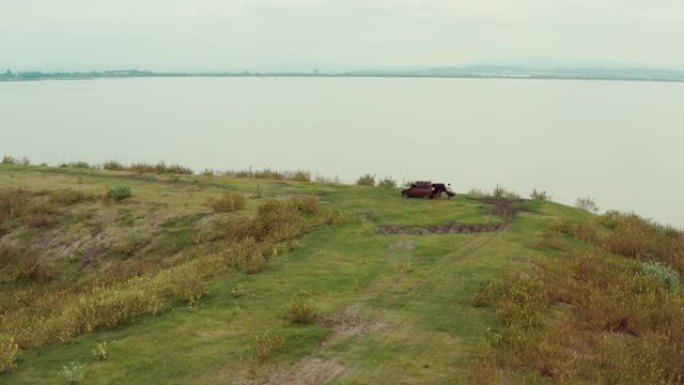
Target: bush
x=72 y=374
x=387 y=183
x=587 y=203
x=302 y=310
x=366 y=180
x=540 y=195
x=276 y=221
x=664 y=274
x=229 y=202
x=118 y=193
x=9 y=351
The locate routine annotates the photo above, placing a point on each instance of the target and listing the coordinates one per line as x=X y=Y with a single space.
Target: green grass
x=416 y=290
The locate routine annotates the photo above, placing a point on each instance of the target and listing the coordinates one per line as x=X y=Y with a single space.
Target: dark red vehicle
x=423 y=189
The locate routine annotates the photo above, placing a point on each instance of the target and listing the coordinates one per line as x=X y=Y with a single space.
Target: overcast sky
x=335 y=34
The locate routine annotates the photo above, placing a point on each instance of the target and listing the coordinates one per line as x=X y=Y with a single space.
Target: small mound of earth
x=309 y=371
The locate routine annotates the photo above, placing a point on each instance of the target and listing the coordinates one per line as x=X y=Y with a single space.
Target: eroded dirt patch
x=348 y=323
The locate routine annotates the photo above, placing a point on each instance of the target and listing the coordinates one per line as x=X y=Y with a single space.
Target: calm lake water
x=619 y=142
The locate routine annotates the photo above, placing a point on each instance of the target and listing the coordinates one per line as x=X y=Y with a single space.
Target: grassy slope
x=416 y=289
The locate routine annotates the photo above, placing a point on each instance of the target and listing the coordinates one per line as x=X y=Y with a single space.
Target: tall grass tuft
x=262 y=347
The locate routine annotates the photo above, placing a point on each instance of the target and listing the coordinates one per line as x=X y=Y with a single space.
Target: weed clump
x=100 y=352
x=366 y=180
x=229 y=202
x=302 y=310
x=118 y=193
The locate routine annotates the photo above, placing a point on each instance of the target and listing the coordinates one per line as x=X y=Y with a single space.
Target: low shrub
x=668 y=277
x=334 y=217
x=540 y=195
x=72 y=374
x=114 y=165
x=9 y=160
x=366 y=180
x=79 y=164
x=300 y=176
x=302 y=310
x=476 y=193
x=387 y=183
x=587 y=204
x=32 y=269
x=228 y=202
x=484 y=371
x=119 y=193
x=263 y=346
x=276 y=221
x=307 y=204
x=501 y=193
x=368 y=228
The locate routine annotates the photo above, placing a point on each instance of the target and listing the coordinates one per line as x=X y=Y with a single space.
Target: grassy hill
x=205 y=279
